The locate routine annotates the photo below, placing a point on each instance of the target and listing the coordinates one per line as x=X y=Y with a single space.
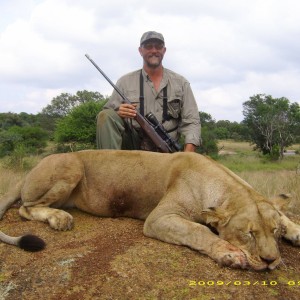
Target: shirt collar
x=164 y=79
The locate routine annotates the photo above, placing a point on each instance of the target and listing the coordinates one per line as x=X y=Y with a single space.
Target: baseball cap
x=149 y=35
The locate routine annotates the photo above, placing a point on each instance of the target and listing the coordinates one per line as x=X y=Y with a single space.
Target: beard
x=153 y=61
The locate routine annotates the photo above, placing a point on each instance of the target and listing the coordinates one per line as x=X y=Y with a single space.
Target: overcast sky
x=229 y=50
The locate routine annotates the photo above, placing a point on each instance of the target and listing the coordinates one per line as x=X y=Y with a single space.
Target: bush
x=31 y=139
x=80 y=125
x=209 y=144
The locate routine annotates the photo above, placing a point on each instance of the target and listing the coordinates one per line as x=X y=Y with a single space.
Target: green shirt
x=182 y=106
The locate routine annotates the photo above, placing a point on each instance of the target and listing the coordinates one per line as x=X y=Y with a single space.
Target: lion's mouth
x=258 y=264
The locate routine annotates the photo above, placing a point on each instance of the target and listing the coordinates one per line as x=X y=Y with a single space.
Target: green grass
x=237 y=147
x=240 y=157
x=242 y=162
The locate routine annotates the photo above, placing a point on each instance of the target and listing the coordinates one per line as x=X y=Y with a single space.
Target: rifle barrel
x=111 y=83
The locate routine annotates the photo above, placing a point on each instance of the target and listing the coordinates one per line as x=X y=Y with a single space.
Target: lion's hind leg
x=44 y=208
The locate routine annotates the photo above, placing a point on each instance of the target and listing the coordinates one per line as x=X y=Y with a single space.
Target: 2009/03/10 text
x=242 y=283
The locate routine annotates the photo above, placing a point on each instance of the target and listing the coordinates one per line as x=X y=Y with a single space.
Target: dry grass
x=11 y=173
x=231 y=146
x=274 y=183
x=8 y=179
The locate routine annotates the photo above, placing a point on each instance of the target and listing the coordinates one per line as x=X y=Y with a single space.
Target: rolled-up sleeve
x=189 y=125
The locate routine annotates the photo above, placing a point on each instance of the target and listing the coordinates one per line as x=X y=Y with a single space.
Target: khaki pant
x=115 y=133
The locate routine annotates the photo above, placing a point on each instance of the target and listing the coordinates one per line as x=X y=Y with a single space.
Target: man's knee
x=107 y=115
x=109 y=130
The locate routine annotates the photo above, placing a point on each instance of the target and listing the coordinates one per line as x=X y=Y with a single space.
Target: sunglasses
x=150 y=46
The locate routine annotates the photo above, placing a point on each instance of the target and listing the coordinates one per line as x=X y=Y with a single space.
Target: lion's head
x=255 y=229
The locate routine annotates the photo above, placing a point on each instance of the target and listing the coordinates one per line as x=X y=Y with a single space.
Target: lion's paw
x=61 y=220
x=293 y=234
x=231 y=256
x=295 y=239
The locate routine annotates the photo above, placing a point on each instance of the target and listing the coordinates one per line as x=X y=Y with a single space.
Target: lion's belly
x=122 y=183
x=114 y=202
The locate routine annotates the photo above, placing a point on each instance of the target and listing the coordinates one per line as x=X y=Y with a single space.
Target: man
x=153 y=89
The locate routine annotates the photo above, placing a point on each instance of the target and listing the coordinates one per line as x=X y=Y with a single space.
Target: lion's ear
x=282 y=201
x=215 y=217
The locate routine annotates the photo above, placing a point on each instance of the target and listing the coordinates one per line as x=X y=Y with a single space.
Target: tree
x=9 y=119
x=273 y=123
x=209 y=142
x=207 y=120
x=62 y=105
x=231 y=130
x=80 y=124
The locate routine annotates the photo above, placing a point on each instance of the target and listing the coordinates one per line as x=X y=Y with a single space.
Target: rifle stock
x=143 y=122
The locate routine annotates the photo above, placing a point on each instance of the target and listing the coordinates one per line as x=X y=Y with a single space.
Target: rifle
x=149 y=124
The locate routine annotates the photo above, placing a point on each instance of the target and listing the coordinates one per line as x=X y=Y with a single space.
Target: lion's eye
x=251 y=234
x=246 y=235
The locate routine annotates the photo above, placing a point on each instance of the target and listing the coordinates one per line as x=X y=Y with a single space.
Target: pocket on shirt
x=133 y=97
x=175 y=103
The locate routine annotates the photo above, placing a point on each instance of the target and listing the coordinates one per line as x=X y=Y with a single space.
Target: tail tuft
x=31 y=243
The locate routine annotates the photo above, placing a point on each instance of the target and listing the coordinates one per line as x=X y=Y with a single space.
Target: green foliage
x=23 y=119
x=63 y=104
x=224 y=129
x=80 y=124
x=275 y=153
x=208 y=137
x=209 y=143
x=16 y=159
x=8 y=120
x=222 y=133
x=31 y=139
x=8 y=141
x=272 y=122
x=211 y=131
x=207 y=120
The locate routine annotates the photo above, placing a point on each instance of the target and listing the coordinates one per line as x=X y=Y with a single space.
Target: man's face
x=152 y=52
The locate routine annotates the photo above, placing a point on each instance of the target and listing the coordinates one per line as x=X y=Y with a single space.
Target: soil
x=105 y=258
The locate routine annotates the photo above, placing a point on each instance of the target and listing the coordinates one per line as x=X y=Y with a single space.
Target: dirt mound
x=111 y=259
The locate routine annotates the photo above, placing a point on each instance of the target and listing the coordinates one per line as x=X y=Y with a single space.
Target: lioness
x=176 y=194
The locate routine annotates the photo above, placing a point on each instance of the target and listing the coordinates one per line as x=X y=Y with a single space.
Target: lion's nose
x=267 y=260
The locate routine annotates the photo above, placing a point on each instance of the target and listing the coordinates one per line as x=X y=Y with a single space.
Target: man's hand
x=127 y=110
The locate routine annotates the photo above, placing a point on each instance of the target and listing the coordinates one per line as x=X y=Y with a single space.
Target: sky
x=229 y=50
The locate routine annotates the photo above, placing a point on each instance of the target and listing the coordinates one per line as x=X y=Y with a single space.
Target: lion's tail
x=27 y=242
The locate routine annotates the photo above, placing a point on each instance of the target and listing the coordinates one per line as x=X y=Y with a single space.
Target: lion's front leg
x=57 y=219
x=291 y=230
x=175 y=229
